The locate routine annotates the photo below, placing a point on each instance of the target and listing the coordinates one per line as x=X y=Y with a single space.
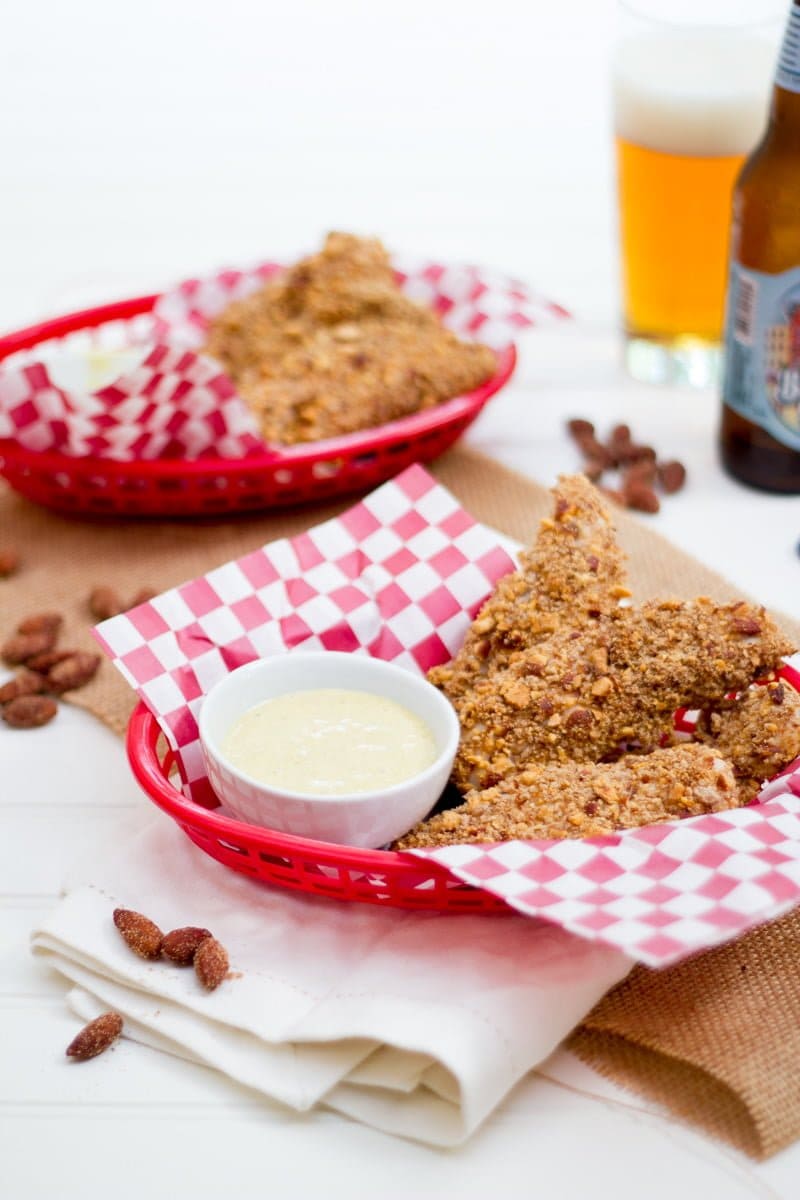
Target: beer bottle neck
x=785 y=110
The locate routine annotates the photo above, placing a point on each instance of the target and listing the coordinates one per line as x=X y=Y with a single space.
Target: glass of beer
x=691 y=85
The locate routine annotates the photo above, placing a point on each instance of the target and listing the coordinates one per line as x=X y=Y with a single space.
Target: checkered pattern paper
x=400 y=576
x=475 y=303
x=177 y=404
x=658 y=893
x=173 y=404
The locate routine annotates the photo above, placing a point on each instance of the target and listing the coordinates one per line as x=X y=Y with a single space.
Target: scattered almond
x=211 y=963
x=95 y=1037
x=73 y=672
x=44 y=662
x=141 y=934
x=104 y=603
x=672 y=476
x=638 y=466
x=643 y=471
x=181 y=945
x=29 y=712
x=580 y=428
x=23 y=646
x=9 y=562
x=44 y=622
x=24 y=683
x=641 y=497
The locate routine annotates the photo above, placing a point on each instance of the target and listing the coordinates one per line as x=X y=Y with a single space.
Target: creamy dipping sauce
x=330 y=742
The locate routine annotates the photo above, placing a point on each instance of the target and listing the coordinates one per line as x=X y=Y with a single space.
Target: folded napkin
x=416 y=1023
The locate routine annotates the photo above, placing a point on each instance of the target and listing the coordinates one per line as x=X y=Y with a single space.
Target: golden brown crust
x=563 y=696
x=586 y=799
x=573 y=575
x=332 y=345
x=579 y=694
x=758 y=734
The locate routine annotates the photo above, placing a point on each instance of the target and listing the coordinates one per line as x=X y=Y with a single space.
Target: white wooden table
x=147 y=143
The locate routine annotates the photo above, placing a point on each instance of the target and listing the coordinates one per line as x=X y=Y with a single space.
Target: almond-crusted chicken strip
x=758 y=734
x=573 y=574
x=565 y=800
x=332 y=345
x=580 y=694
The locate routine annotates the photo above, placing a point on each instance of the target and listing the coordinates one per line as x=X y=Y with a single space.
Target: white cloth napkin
x=416 y=1023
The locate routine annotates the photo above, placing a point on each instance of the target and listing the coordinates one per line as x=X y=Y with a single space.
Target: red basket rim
x=140 y=742
x=360 y=442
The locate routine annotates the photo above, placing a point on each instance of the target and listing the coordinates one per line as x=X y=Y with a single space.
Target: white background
x=143 y=142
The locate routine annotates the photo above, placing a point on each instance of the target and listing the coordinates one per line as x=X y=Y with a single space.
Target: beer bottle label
x=788 y=75
x=762 y=351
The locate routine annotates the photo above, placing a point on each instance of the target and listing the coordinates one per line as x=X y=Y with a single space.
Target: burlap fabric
x=715 y=1040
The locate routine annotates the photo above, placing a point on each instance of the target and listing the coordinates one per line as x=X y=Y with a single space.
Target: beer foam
x=700 y=93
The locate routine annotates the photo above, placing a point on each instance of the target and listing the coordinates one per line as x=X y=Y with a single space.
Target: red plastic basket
x=339 y=872
x=286 y=476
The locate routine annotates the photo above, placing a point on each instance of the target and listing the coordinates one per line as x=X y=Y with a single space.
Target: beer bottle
x=761 y=384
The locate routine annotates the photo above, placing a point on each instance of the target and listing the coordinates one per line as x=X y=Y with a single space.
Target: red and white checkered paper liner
x=177 y=404
x=400 y=576
x=173 y=404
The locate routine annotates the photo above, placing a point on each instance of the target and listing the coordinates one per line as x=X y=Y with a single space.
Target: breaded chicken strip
x=579 y=694
x=332 y=345
x=573 y=575
x=567 y=800
x=758 y=734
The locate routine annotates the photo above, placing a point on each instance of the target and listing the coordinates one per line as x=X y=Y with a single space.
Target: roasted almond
x=211 y=963
x=141 y=934
x=73 y=672
x=44 y=622
x=95 y=1037
x=9 y=562
x=579 y=428
x=29 y=712
x=24 y=683
x=671 y=476
x=632 y=452
x=23 y=646
x=643 y=471
x=43 y=662
x=641 y=497
x=620 y=435
x=180 y=945
x=104 y=603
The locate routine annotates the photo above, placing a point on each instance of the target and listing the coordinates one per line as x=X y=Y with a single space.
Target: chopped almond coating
x=568 y=800
x=580 y=694
x=758 y=734
x=332 y=345
x=574 y=574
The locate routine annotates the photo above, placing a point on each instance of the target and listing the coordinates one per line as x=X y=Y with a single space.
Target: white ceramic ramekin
x=364 y=819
